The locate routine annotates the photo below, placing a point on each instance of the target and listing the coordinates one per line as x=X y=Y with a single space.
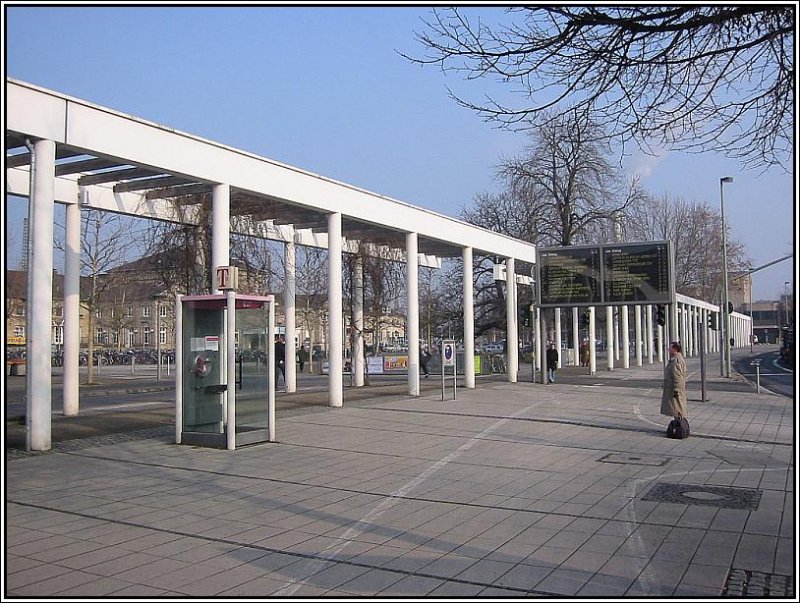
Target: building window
x=145 y=311
x=19 y=331
x=147 y=336
x=130 y=311
x=115 y=337
x=98 y=313
x=162 y=335
x=162 y=310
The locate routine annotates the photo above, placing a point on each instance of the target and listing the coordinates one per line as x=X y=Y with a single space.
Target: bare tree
x=696 y=232
x=567 y=180
x=692 y=77
x=561 y=190
x=106 y=239
x=181 y=252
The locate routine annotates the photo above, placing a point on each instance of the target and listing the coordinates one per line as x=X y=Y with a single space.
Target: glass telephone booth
x=225 y=378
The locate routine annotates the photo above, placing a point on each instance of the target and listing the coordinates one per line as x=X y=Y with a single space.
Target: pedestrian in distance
x=424 y=356
x=552 y=363
x=584 y=353
x=280 y=358
x=673 y=398
x=302 y=357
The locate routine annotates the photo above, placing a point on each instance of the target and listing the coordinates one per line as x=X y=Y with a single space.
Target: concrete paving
x=511 y=490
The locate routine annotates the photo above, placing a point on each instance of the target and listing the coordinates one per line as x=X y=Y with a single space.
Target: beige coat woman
x=673 y=400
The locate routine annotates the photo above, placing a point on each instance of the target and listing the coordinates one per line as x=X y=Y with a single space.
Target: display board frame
x=613 y=274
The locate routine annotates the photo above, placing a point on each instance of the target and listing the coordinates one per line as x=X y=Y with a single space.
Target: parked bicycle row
x=115 y=357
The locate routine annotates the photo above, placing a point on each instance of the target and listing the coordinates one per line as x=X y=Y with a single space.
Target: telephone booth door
x=221 y=401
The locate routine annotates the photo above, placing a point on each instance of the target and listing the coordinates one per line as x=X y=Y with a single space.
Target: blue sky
x=324 y=89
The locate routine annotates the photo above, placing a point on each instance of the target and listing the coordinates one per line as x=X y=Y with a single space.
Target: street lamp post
x=726 y=348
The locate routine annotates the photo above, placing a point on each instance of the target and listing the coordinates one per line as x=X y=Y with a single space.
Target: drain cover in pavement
x=634 y=459
x=713 y=496
x=745 y=583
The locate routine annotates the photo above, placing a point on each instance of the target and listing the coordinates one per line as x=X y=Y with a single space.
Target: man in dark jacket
x=552 y=363
x=280 y=358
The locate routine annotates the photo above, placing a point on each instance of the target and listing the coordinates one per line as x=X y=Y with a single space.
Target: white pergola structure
x=65 y=150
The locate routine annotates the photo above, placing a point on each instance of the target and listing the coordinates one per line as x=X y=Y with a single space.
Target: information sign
x=625 y=273
x=570 y=276
x=448 y=353
x=636 y=273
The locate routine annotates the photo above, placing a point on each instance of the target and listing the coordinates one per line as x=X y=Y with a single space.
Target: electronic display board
x=636 y=273
x=570 y=276
x=625 y=273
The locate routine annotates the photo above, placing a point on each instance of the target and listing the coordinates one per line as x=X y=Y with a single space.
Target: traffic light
x=585 y=320
x=661 y=315
x=713 y=321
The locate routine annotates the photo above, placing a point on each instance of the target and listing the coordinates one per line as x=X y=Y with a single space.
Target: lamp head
x=726 y=179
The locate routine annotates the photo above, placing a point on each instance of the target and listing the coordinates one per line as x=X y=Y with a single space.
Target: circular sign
x=448 y=353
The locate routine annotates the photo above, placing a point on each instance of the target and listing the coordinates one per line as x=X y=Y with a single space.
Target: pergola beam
x=86 y=165
x=151 y=183
x=116 y=176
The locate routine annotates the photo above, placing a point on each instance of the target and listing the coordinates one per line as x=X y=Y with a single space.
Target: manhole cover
x=746 y=583
x=634 y=459
x=714 y=496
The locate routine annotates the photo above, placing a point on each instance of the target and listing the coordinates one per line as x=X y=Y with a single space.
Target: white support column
x=542 y=353
x=511 y=321
x=576 y=339
x=672 y=323
x=704 y=325
x=358 y=319
x=537 y=338
x=469 y=320
x=289 y=298
x=335 y=393
x=40 y=298
x=610 y=337
x=557 y=328
x=220 y=230
x=695 y=335
x=592 y=346
x=686 y=330
x=650 y=335
x=660 y=342
x=412 y=302
x=72 y=320
x=229 y=370
x=626 y=343
x=617 y=341
x=271 y=371
x=637 y=325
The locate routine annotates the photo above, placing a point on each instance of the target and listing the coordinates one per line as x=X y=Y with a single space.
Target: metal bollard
x=133 y=365
x=757 y=364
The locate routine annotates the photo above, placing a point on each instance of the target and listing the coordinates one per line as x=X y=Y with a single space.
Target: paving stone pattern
x=511 y=490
